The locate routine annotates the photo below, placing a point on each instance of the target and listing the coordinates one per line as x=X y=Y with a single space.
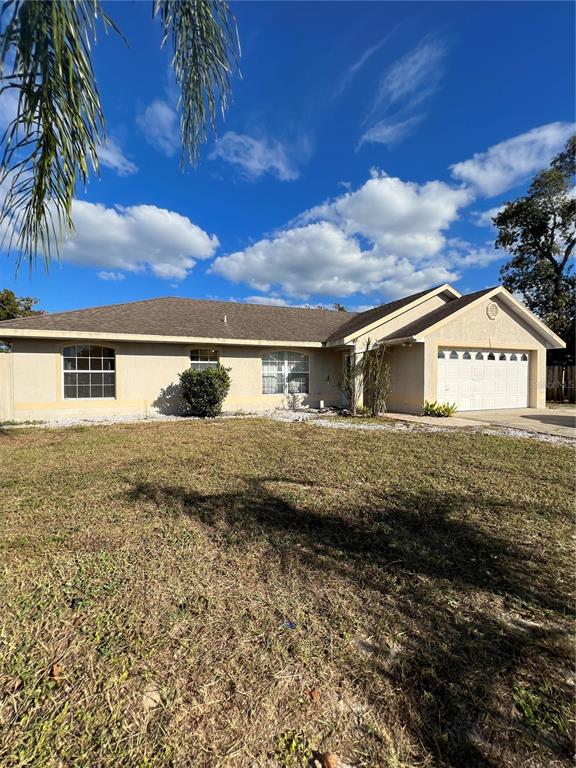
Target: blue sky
x=365 y=149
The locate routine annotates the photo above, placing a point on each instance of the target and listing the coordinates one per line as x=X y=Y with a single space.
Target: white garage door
x=481 y=379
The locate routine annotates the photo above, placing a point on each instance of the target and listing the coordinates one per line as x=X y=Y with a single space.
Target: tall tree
x=45 y=58
x=539 y=231
x=12 y=306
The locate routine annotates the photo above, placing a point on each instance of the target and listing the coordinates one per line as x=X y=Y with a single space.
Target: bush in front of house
x=204 y=391
x=439 y=409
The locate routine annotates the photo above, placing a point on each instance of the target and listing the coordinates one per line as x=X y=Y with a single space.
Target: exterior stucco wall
x=6 y=395
x=406 y=378
x=146 y=375
x=475 y=329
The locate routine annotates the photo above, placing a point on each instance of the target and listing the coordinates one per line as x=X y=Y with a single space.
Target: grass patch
x=249 y=593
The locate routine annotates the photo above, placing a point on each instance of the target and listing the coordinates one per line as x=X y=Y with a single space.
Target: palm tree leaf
x=206 y=50
x=45 y=57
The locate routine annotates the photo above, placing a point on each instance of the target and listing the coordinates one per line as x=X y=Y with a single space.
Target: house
x=483 y=350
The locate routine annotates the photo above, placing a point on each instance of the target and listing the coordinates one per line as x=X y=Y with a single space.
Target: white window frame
x=89 y=370
x=207 y=358
x=284 y=369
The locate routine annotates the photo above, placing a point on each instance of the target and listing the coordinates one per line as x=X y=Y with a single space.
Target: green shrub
x=204 y=391
x=439 y=409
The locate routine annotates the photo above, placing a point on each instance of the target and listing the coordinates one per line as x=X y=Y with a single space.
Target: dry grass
x=190 y=594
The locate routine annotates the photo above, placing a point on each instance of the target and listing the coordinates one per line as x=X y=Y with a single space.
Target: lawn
x=242 y=592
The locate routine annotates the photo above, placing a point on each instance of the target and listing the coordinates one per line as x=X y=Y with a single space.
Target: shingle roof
x=362 y=319
x=192 y=317
x=422 y=323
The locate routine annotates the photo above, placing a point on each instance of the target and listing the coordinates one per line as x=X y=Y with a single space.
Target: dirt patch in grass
x=234 y=593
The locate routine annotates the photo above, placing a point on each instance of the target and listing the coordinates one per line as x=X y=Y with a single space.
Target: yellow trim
x=80 y=404
x=71 y=336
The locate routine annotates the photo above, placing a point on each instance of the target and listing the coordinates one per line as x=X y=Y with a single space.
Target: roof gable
x=426 y=324
x=362 y=321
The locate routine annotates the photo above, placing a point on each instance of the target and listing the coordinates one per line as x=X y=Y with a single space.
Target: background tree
x=45 y=58
x=12 y=306
x=539 y=231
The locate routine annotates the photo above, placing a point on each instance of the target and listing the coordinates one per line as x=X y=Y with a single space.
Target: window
x=466 y=356
x=285 y=372
x=524 y=358
x=490 y=356
x=502 y=356
x=453 y=355
x=441 y=355
x=89 y=371
x=200 y=359
x=479 y=356
x=514 y=357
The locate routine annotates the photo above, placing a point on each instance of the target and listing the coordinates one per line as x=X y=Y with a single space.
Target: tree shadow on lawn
x=439 y=579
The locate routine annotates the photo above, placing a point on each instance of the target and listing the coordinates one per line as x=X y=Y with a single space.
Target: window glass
x=441 y=355
x=453 y=355
x=200 y=359
x=83 y=377
x=502 y=356
x=514 y=356
x=490 y=356
x=479 y=356
x=466 y=356
x=285 y=372
x=524 y=358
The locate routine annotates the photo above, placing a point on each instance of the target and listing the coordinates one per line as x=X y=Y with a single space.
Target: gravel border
x=323 y=419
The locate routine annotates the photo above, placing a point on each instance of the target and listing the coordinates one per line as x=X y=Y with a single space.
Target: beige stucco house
x=482 y=350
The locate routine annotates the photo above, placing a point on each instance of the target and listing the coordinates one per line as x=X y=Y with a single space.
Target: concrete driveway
x=551 y=421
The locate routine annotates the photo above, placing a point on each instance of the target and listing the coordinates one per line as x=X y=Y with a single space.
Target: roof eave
x=22 y=333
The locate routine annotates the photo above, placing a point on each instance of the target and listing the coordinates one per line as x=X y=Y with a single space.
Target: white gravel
x=318 y=419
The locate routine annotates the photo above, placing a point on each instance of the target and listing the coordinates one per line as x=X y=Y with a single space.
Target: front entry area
x=483 y=379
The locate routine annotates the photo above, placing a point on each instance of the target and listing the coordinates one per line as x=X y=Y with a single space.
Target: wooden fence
x=560 y=384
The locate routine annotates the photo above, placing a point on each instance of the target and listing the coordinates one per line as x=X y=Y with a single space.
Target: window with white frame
x=89 y=371
x=285 y=373
x=200 y=359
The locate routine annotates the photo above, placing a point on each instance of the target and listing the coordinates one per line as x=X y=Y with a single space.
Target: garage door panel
x=483 y=379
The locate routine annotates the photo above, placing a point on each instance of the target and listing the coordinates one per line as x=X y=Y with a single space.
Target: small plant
x=294 y=750
x=439 y=409
x=367 y=374
x=204 y=391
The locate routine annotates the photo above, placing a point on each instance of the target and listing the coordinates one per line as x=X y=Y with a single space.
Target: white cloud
x=353 y=70
x=136 y=238
x=417 y=72
x=388 y=236
x=460 y=254
x=387 y=132
x=8 y=107
x=272 y=301
x=256 y=157
x=484 y=218
x=114 y=276
x=405 y=85
x=112 y=156
x=509 y=163
x=159 y=123
x=401 y=217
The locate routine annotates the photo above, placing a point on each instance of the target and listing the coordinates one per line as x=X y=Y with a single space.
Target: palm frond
x=45 y=59
x=206 y=49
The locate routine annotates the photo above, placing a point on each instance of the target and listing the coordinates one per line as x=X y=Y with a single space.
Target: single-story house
x=482 y=350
